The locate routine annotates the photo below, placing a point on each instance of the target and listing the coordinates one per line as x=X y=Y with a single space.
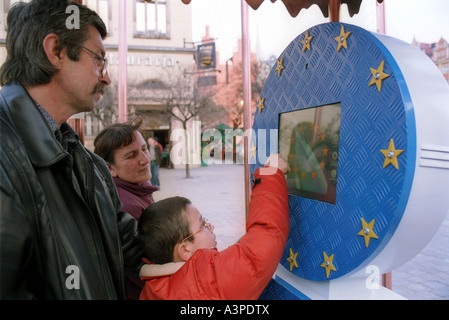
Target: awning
x=295 y=6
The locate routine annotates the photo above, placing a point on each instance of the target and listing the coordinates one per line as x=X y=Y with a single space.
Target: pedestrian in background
x=156 y=158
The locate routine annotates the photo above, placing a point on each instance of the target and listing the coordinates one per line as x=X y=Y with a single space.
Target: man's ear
x=183 y=251
x=51 y=48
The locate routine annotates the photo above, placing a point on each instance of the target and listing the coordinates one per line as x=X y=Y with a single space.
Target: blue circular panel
x=327 y=238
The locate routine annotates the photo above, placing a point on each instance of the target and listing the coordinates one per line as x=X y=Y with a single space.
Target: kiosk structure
x=363 y=120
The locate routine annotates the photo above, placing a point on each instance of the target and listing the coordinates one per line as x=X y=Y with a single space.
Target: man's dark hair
x=114 y=137
x=29 y=24
x=161 y=226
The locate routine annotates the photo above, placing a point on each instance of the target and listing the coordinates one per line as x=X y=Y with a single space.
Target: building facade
x=159 y=36
x=438 y=52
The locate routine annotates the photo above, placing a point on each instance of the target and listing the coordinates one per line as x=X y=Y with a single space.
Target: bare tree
x=232 y=91
x=183 y=102
x=106 y=109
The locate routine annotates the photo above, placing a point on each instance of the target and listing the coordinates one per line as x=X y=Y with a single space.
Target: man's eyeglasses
x=204 y=224
x=104 y=68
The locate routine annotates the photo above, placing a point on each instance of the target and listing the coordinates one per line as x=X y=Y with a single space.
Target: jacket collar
x=140 y=190
x=42 y=147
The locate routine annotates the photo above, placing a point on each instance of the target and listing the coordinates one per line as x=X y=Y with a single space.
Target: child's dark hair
x=161 y=226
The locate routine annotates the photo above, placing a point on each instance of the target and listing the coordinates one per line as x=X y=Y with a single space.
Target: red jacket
x=242 y=271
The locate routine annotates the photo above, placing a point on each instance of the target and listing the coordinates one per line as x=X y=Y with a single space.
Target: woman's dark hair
x=115 y=137
x=161 y=226
x=29 y=24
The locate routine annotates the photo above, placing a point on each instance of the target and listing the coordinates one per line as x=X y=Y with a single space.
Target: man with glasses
x=62 y=234
x=180 y=240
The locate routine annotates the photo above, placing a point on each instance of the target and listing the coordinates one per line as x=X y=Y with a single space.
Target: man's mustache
x=98 y=88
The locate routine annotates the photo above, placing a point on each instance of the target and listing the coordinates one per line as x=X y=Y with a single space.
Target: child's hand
x=277 y=161
x=156 y=270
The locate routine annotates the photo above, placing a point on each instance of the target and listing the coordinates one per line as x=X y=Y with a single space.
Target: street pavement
x=426 y=276
x=218 y=193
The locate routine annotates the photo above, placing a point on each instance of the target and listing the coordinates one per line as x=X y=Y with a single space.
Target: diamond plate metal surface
x=369 y=120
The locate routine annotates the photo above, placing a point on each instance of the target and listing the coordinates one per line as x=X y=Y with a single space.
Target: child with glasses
x=181 y=243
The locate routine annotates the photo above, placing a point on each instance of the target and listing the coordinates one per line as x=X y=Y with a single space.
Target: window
x=101 y=7
x=7 y=5
x=151 y=19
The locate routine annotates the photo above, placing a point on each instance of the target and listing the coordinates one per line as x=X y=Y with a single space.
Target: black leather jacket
x=62 y=233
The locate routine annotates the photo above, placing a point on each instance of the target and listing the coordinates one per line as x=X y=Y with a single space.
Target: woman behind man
x=126 y=153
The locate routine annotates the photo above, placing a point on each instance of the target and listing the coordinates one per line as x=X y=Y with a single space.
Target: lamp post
x=246 y=98
x=122 y=71
x=387 y=278
x=227 y=70
x=77 y=121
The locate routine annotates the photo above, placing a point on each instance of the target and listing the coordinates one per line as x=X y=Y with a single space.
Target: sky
x=272 y=28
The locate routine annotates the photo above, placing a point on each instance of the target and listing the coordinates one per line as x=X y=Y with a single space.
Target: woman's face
x=132 y=162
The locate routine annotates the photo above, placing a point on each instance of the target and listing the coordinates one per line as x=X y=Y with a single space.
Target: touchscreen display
x=309 y=140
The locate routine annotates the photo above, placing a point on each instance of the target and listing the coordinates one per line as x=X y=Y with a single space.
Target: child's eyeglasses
x=104 y=67
x=204 y=224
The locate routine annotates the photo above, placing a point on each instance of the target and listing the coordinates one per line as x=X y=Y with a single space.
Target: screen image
x=309 y=141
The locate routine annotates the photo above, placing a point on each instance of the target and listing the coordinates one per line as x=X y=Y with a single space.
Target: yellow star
x=253 y=151
x=260 y=104
x=341 y=39
x=323 y=136
x=391 y=155
x=322 y=164
x=327 y=264
x=378 y=76
x=367 y=231
x=306 y=41
x=292 y=260
x=280 y=66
